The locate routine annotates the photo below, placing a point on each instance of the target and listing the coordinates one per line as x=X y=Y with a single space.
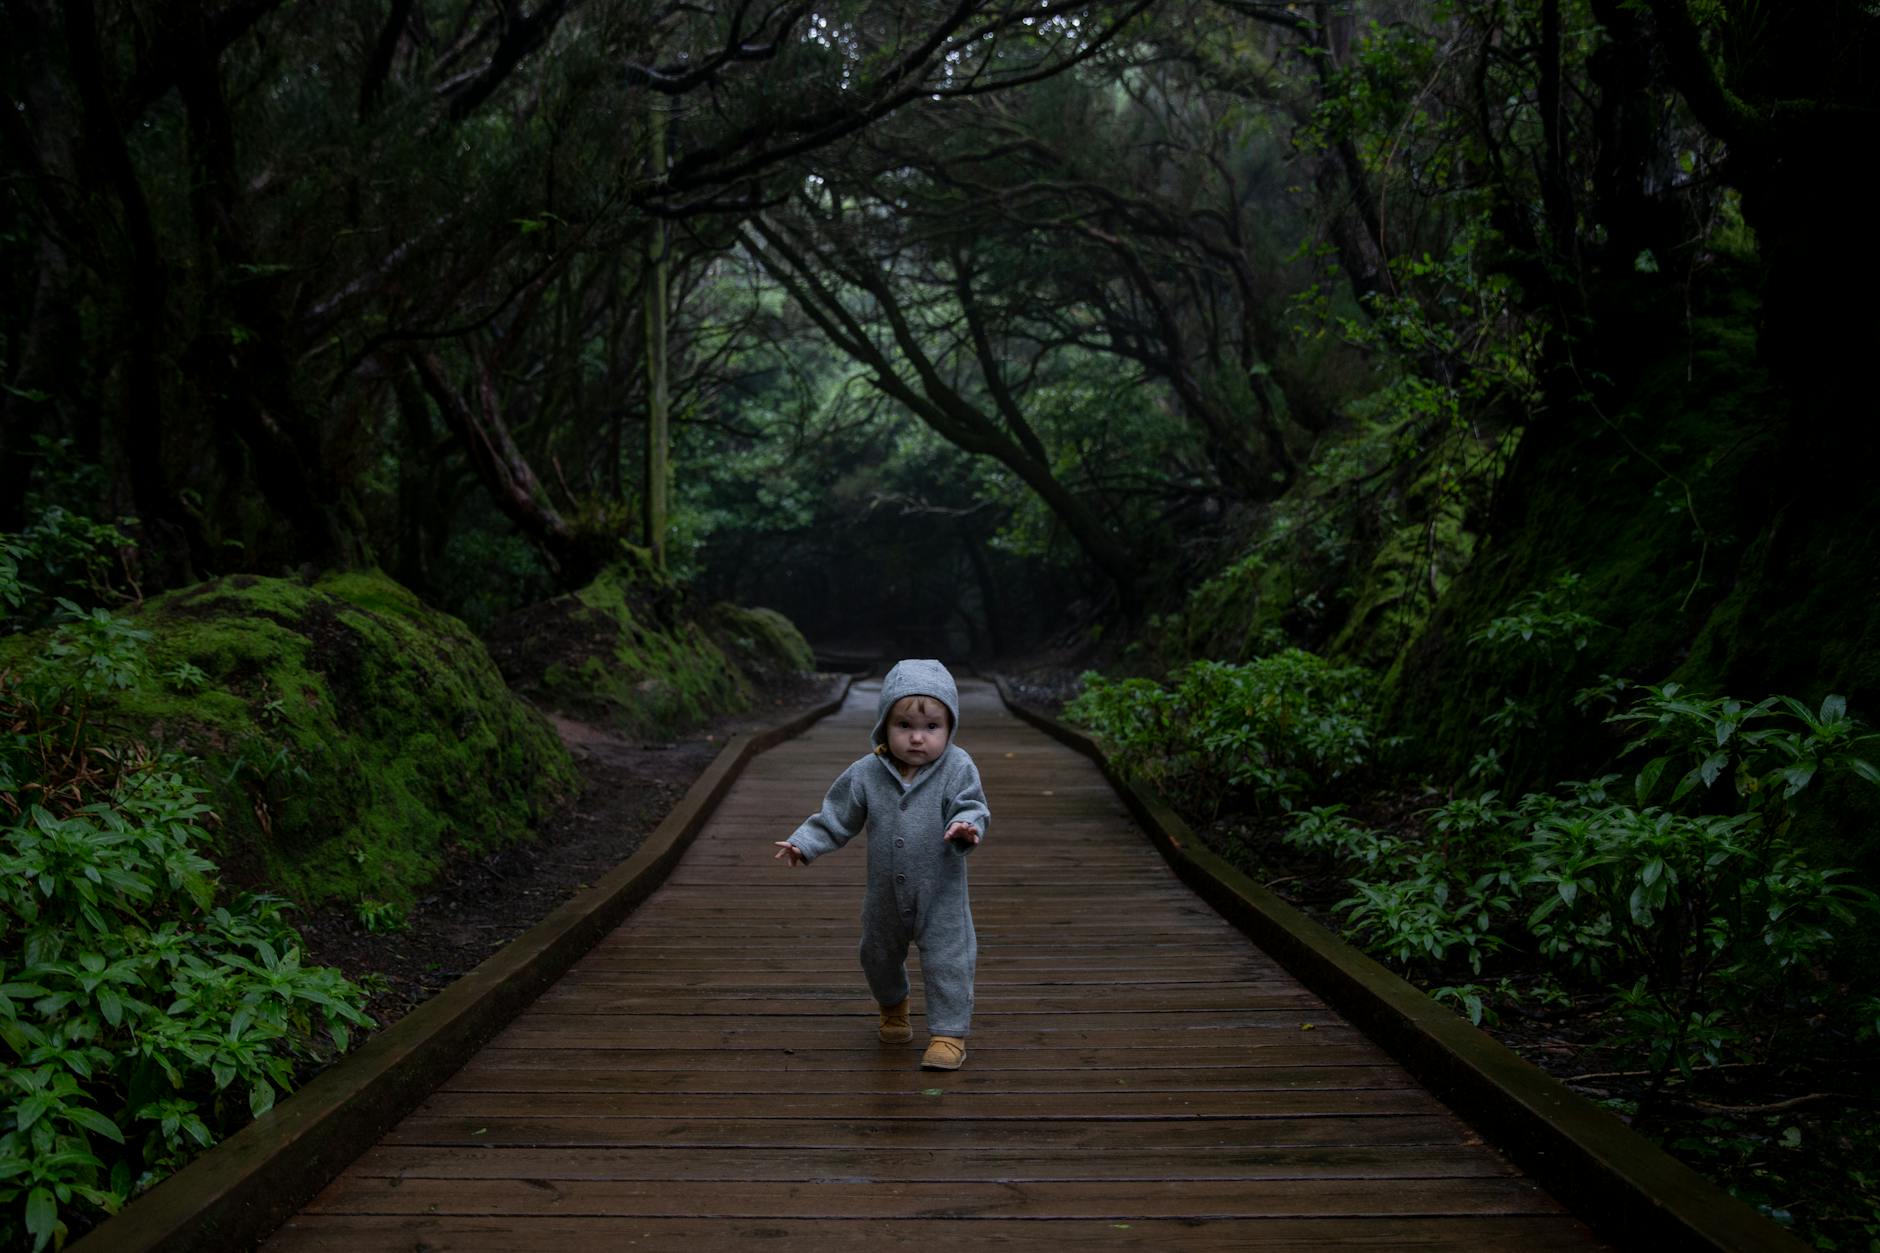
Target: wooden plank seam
x=1622 y=1184
x=253 y=1181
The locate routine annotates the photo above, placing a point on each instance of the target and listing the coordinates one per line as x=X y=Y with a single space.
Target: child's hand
x=790 y=852
x=965 y=832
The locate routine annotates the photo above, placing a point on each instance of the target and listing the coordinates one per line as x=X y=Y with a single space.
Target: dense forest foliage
x=1404 y=407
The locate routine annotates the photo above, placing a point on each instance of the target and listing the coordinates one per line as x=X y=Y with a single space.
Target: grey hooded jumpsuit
x=916 y=878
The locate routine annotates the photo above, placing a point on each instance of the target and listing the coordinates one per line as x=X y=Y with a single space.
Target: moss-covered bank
x=624 y=651
x=1649 y=500
x=763 y=643
x=1715 y=539
x=1351 y=563
x=350 y=736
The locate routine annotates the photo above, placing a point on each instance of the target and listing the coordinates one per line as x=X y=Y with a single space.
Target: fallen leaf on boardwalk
x=931 y=1091
x=479 y=1131
x=1307 y=1026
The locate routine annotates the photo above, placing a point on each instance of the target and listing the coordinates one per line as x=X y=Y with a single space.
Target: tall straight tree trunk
x=658 y=418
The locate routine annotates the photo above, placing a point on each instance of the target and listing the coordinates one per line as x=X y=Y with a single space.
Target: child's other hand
x=790 y=852
x=965 y=832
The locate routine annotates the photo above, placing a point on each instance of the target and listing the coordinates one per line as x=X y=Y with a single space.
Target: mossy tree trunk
x=654 y=496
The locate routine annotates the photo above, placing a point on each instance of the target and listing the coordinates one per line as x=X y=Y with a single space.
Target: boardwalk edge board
x=246 y=1186
x=1624 y=1186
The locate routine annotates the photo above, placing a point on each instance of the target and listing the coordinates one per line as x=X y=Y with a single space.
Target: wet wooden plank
x=752 y=1081
x=319 y=1233
x=1033 y=1163
x=988 y=1058
x=1055 y=1004
x=945 y=1105
x=805 y=1032
x=1095 y=1134
x=1138 y=1074
x=1113 y=1199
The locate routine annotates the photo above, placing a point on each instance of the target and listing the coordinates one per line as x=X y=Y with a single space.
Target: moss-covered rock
x=1234 y=616
x=350 y=736
x=763 y=643
x=621 y=652
x=1346 y=565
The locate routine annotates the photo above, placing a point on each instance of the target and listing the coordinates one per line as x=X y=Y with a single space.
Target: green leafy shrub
x=142 y=1020
x=1699 y=912
x=61 y=554
x=381 y=917
x=1274 y=730
x=1533 y=646
x=1544 y=623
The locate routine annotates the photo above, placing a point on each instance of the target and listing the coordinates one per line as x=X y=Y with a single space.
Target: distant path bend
x=1140 y=1076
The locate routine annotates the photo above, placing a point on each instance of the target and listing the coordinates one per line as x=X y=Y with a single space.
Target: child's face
x=917 y=730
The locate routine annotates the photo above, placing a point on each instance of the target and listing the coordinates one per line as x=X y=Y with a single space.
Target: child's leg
x=884 y=962
x=947 y=963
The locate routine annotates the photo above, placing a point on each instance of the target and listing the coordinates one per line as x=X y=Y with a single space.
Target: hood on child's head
x=917 y=678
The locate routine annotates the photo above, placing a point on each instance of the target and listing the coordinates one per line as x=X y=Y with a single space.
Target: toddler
x=919 y=796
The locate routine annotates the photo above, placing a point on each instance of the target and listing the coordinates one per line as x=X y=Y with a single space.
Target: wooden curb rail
x=1627 y=1188
x=249 y=1184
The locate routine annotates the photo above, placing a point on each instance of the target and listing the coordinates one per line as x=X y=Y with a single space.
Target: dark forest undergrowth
x=1663 y=948
x=1794 y=1136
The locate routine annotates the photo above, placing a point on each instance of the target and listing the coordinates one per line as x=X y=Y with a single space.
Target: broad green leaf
x=30 y=1110
x=1648 y=778
x=1639 y=907
x=42 y=1216
x=92 y=1120
x=1685 y=784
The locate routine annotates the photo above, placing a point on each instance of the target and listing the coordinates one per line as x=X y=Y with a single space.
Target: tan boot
x=894 y=1028
x=944 y=1052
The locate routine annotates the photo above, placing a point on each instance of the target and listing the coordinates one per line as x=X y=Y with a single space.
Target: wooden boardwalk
x=1139 y=1077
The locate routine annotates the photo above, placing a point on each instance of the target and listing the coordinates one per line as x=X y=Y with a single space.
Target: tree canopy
x=1072 y=305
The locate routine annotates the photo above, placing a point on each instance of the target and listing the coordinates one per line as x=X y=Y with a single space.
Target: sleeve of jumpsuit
x=967 y=803
x=843 y=814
